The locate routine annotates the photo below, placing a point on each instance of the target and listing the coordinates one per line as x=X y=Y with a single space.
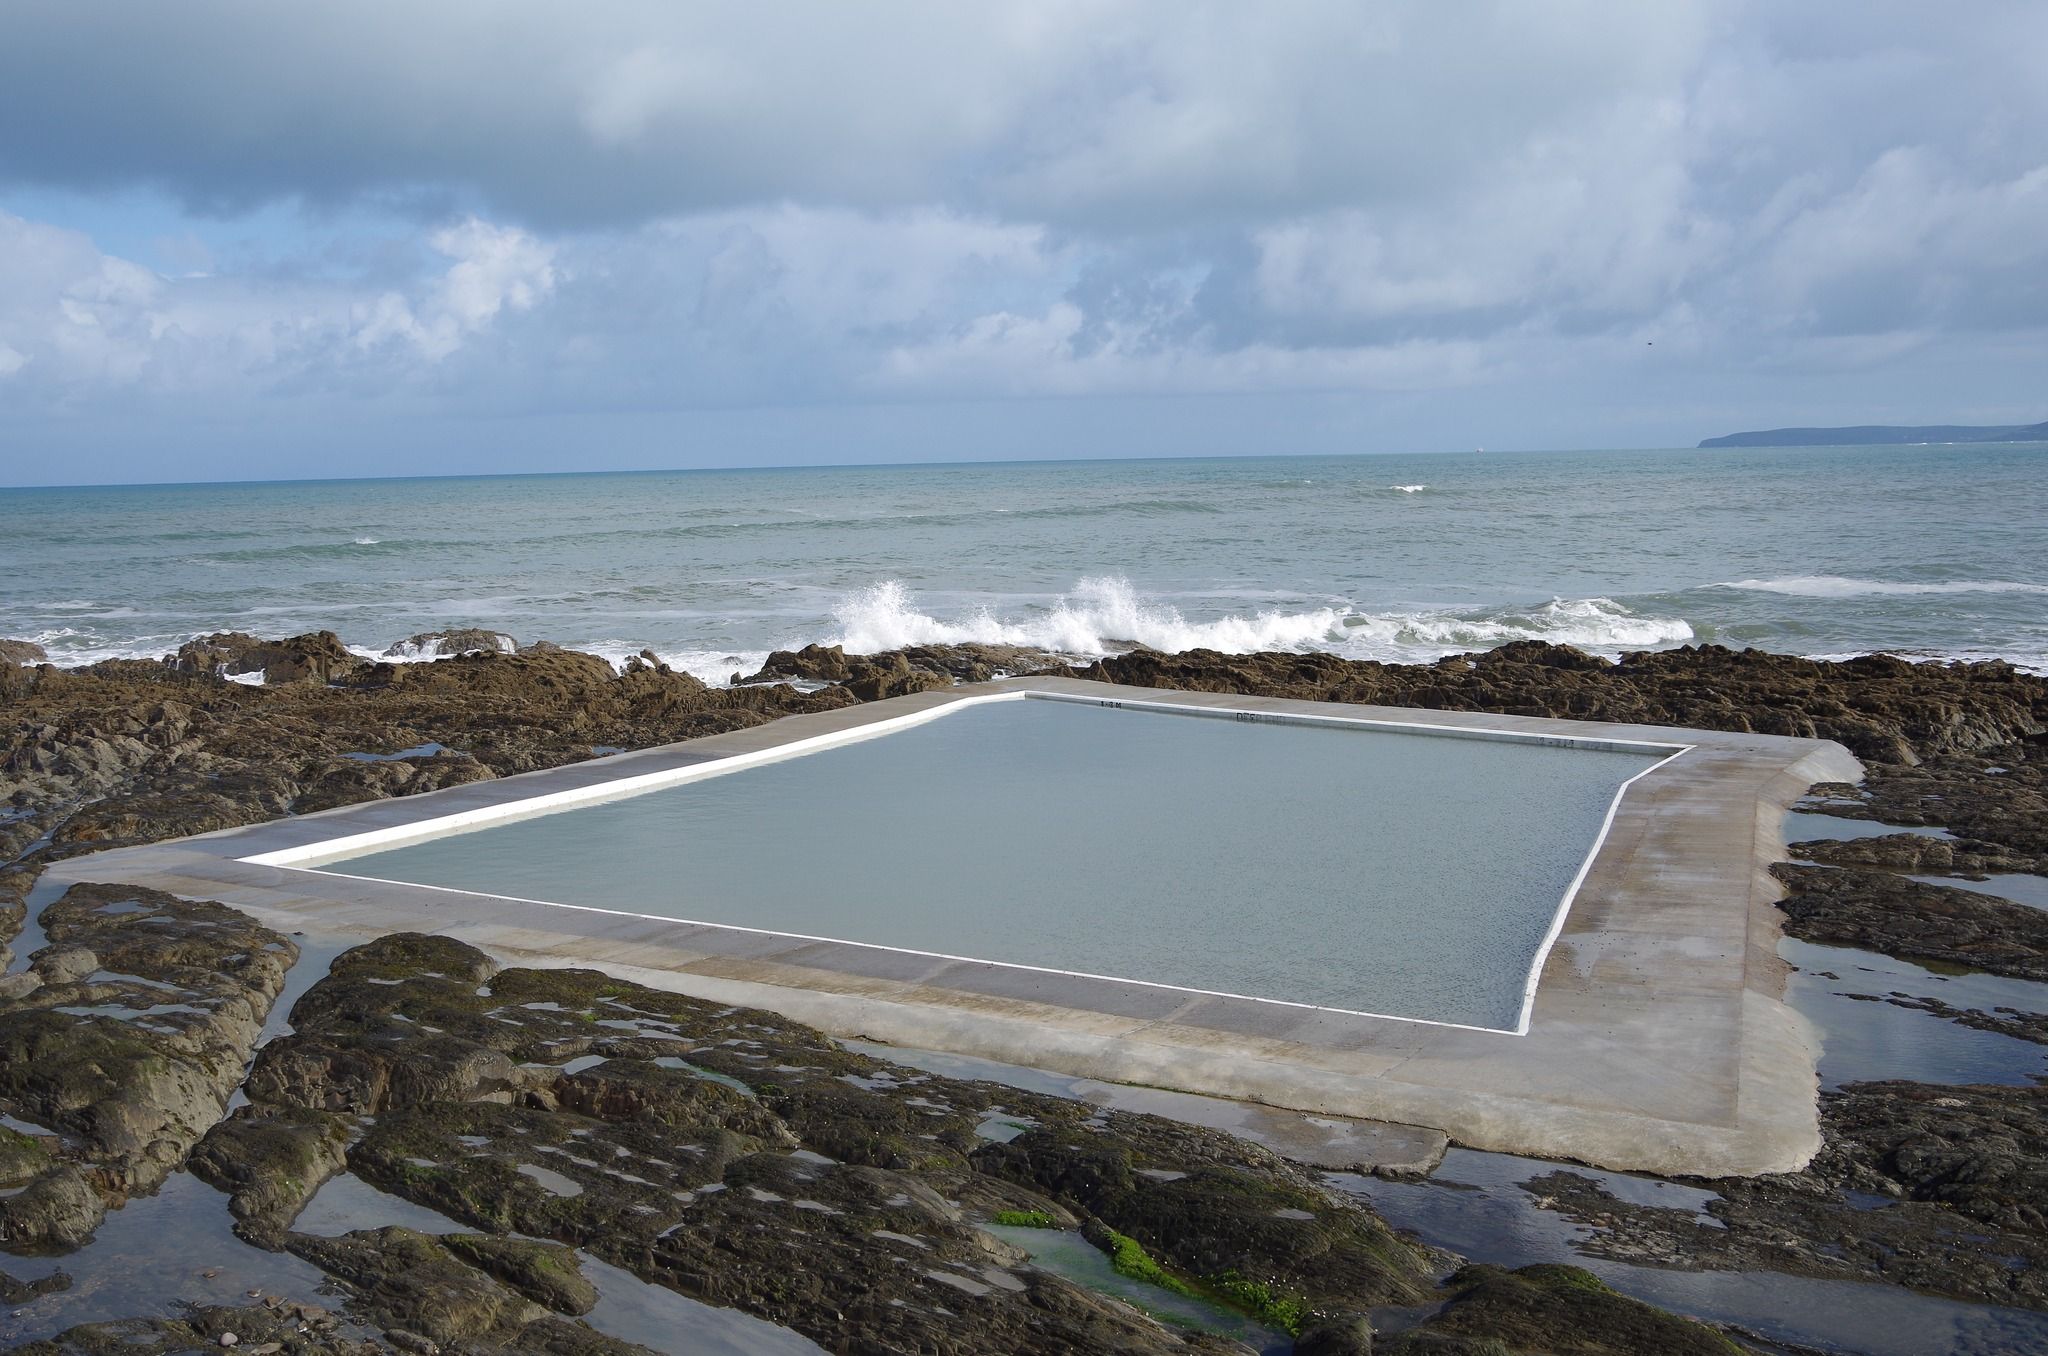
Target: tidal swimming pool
x=1365 y=867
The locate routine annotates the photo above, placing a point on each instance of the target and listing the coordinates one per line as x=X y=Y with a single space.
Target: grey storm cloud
x=637 y=206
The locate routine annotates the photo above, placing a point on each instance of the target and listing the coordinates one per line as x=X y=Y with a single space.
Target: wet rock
x=1884 y=710
x=896 y=672
x=545 y=1273
x=2004 y=1021
x=1879 y=911
x=270 y=1161
x=1547 y=1308
x=1348 y=1335
x=427 y=1298
x=64 y=964
x=408 y=1280
x=24 y=1292
x=21 y=1157
x=318 y=656
x=136 y=751
x=739 y=1158
x=22 y=652
x=152 y=1046
x=57 y=1210
x=1994 y=801
x=1217 y=1209
x=815 y=663
x=877 y=684
x=259 y=1330
x=1979 y=1151
x=1947 y=1183
x=466 y=640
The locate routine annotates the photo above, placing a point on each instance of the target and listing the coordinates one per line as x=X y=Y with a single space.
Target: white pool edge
x=308 y=857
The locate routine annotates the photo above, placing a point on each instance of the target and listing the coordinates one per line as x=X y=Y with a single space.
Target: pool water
x=1405 y=874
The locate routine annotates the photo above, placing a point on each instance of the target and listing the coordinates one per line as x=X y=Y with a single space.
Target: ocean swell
x=1837 y=586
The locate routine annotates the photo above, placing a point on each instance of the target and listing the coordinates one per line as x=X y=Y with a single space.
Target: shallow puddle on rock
x=708 y=1075
x=149 y=1257
x=1804 y=826
x=345 y=1203
x=1000 y=1127
x=631 y=1310
x=1071 y=1257
x=1475 y=1206
x=316 y=958
x=32 y=938
x=1864 y=1040
x=416 y=751
x=551 y=1180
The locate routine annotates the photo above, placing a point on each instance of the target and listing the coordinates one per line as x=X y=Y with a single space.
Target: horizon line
x=836 y=466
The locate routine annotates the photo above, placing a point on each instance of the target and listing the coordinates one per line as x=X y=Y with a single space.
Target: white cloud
x=720 y=205
x=77 y=322
x=495 y=269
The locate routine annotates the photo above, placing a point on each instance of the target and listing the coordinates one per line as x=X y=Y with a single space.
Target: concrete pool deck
x=1657 y=1039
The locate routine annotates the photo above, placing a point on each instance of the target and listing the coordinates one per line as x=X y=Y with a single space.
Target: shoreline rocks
x=744 y=1160
x=129 y=1047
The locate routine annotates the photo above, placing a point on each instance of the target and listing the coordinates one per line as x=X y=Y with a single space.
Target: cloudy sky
x=249 y=239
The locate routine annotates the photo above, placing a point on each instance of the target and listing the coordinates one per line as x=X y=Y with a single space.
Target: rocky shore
x=546 y=1140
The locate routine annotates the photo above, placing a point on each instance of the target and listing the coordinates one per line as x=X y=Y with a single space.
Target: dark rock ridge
x=316 y=657
x=1951 y=1198
x=21 y=652
x=1880 y=911
x=1870 y=435
x=897 y=673
x=1882 y=709
x=127 y=1035
x=748 y=1161
x=709 y=1149
x=137 y=751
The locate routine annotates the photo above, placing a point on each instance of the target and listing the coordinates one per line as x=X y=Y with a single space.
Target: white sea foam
x=1837 y=586
x=428 y=646
x=1102 y=616
x=366 y=541
x=1091 y=620
x=715 y=667
x=1409 y=489
x=1598 y=624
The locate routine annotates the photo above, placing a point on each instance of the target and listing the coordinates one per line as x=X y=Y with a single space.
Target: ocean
x=1927 y=552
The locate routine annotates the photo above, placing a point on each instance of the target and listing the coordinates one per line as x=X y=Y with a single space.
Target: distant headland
x=1865 y=435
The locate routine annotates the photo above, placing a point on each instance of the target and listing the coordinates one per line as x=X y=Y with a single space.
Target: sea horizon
x=1398 y=557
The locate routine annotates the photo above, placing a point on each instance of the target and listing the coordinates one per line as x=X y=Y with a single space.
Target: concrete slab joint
x=1654 y=1036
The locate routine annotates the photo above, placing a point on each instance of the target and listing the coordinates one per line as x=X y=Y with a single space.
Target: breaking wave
x=1837 y=586
x=1409 y=489
x=1105 y=615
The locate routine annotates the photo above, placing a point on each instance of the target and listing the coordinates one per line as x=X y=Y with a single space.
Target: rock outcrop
x=439 y=644
x=748 y=1161
x=146 y=1009
x=318 y=656
x=1882 y=709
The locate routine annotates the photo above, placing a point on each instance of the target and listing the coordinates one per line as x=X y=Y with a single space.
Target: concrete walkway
x=1657 y=1040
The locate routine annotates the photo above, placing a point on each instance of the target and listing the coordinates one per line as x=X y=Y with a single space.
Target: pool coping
x=1653 y=1032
